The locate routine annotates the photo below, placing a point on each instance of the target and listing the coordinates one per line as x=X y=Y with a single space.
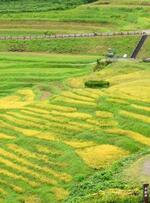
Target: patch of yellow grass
x=134 y=135
x=60 y=193
x=140 y=117
x=4 y=136
x=79 y=144
x=21 y=99
x=145 y=108
x=102 y=155
x=104 y=114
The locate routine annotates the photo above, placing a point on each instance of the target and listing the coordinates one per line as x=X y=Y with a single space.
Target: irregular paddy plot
x=102 y=155
x=62 y=138
x=22 y=98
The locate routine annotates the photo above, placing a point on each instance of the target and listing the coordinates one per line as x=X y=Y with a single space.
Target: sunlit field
x=59 y=140
x=55 y=133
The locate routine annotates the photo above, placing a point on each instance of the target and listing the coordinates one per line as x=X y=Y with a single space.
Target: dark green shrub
x=97 y=84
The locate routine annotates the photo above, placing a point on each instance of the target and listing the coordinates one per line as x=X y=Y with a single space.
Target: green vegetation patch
x=97 y=84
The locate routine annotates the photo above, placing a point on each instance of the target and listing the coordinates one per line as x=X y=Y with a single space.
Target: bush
x=97 y=84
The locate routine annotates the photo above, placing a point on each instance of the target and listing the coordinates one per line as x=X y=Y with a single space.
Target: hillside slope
x=57 y=136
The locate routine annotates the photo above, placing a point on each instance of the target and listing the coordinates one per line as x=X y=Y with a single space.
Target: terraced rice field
x=54 y=133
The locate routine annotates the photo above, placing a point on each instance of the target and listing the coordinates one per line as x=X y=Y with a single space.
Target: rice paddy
x=59 y=141
x=46 y=144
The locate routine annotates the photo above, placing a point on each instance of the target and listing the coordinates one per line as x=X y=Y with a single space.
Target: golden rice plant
x=137 y=116
x=77 y=115
x=48 y=107
x=25 y=131
x=14 y=177
x=33 y=122
x=134 y=91
x=145 y=108
x=101 y=156
x=28 y=163
x=79 y=144
x=21 y=99
x=134 y=135
x=20 y=122
x=87 y=93
x=77 y=97
x=4 y=136
x=60 y=193
x=117 y=100
x=14 y=187
x=20 y=160
x=45 y=150
x=60 y=118
x=32 y=199
x=104 y=114
x=2 y=192
x=36 y=110
x=25 y=153
x=75 y=102
x=102 y=123
x=24 y=170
